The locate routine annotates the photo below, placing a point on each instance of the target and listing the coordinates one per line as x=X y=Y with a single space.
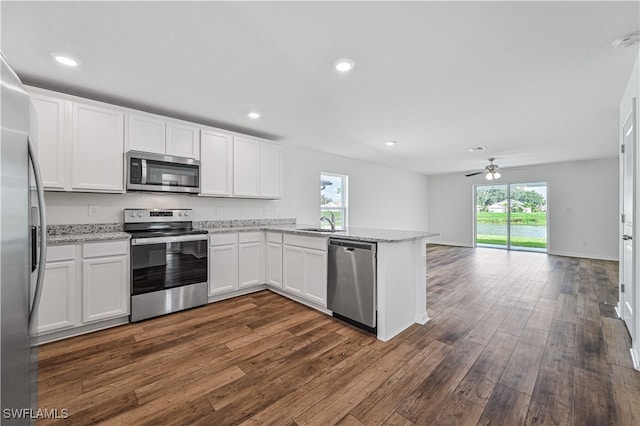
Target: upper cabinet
x=216 y=166
x=97 y=148
x=153 y=133
x=257 y=168
x=50 y=139
x=80 y=145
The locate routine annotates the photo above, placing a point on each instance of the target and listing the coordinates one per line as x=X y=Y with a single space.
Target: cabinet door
x=316 y=276
x=57 y=305
x=293 y=270
x=223 y=268
x=246 y=167
x=249 y=257
x=105 y=288
x=216 y=163
x=183 y=140
x=145 y=133
x=274 y=264
x=270 y=170
x=50 y=140
x=97 y=149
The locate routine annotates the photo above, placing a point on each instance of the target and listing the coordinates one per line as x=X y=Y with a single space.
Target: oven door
x=162 y=263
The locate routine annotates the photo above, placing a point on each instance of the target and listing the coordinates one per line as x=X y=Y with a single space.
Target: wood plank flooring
x=515 y=338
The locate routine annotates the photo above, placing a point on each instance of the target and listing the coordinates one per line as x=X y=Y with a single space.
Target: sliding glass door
x=512 y=216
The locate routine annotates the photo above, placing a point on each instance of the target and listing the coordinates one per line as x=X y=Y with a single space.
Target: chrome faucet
x=331 y=221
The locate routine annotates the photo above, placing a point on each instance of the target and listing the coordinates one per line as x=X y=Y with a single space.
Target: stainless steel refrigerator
x=22 y=252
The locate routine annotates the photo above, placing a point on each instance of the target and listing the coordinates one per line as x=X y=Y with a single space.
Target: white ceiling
x=534 y=82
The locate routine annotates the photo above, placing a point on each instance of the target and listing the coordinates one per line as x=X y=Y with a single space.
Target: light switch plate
x=93 y=211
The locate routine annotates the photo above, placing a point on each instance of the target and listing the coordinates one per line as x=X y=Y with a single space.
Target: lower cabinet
x=105 y=290
x=274 y=259
x=235 y=261
x=58 y=302
x=305 y=267
x=84 y=284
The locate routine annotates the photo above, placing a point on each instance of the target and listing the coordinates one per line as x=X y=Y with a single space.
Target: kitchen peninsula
x=252 y=255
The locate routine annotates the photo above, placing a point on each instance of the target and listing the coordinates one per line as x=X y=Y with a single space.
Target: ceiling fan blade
x=474 y=173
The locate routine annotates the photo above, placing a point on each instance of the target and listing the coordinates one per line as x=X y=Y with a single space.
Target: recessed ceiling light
x=390 y=143
x=627 y=40
x=254 y=115
x=477 y=148
x=344 y=65
x=65 y=60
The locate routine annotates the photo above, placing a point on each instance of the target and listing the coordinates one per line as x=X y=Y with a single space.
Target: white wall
x=379 y=197
x=582 y=202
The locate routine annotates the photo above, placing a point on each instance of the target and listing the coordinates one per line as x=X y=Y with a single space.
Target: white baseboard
x=583 y=255
x=449 y=243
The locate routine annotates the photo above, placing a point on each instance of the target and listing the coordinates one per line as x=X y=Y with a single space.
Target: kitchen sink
x=322 y=230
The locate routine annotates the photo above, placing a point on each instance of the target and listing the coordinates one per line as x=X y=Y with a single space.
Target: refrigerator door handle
x=43 y=238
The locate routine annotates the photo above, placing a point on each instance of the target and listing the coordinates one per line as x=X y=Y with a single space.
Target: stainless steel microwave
x=162 y=173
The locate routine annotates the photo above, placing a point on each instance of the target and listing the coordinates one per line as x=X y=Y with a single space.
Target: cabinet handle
x=627 y=237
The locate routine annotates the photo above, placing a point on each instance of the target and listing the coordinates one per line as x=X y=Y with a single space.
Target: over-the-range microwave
x=162 y=173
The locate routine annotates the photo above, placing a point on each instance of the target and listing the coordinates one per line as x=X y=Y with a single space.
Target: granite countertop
x=69 y=234
x=86 y=237
x=360 y=234
x=80 y=233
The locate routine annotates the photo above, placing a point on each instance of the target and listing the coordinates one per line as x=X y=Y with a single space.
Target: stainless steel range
x=169 y=263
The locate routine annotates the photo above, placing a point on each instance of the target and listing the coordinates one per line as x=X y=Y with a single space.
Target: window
x=333 y=199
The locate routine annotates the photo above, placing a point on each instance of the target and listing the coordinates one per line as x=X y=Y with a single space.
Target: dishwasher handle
x=350 y=245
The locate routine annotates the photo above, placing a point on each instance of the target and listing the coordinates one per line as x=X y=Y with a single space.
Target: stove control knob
x=139 y=214
x=179 y=213
x=132 y=214
x=186 y=214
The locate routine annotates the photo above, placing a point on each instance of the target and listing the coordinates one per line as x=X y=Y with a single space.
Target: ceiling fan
x=491 y=171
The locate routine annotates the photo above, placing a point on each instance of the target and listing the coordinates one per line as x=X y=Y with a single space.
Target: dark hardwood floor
x=514 y=338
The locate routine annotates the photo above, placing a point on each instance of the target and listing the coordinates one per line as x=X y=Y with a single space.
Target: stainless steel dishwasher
x=351 y=286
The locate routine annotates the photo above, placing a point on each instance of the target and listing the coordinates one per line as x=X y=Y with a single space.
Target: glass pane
x=332 y=199
x=491 y=216
x=161 y=173
x=528 y=226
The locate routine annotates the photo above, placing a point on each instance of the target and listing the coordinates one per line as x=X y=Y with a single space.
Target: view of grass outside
x=333 y=199
x=528 y=216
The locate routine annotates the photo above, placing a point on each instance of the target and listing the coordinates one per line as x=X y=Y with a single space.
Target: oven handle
x=163 y=240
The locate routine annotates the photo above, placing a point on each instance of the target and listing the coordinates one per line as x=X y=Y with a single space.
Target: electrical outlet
x=93 y=211
x=275 y=210
x=266 y=210
x=218 y=210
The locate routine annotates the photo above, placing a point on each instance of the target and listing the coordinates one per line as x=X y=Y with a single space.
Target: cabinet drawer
x=111 y=248
x=223 y=239
x=58 y=253
x=249 y=237
x=274 y=237
x=317 y=243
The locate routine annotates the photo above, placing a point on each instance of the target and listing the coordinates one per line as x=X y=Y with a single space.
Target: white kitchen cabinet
x=270 y=170
x=105 y=289
x=57 y=309
x=257 y=168
x=50 y=139
x=305 y=267
x=85 y=285
x=246 y=167
x=249 y=259
x=223 y=263
x=216 y=163
x=183 y=140
x=146 y=132
x=157 y=134
x=97 y=148
x=274 y=259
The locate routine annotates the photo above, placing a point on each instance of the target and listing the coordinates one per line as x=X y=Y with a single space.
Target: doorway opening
x=511 y=216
